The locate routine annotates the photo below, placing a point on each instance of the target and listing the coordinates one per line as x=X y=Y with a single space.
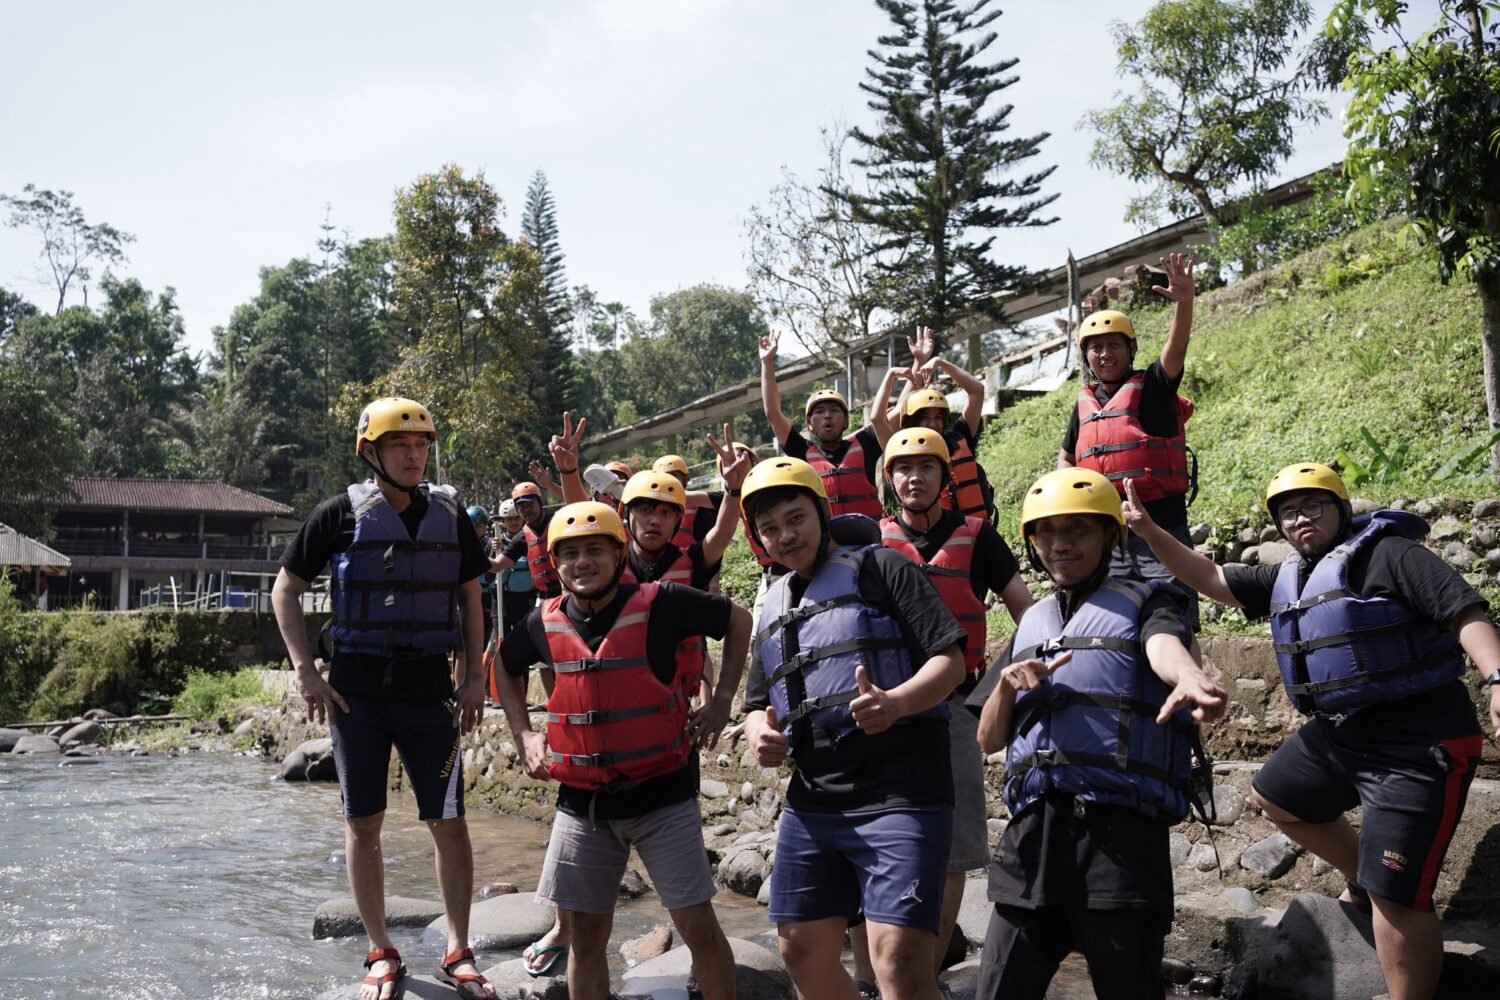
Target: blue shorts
x=428 y=741
x=887 y=865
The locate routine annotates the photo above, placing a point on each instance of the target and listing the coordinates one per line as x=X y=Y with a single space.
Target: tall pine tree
x=552 y=312
x=938 y=165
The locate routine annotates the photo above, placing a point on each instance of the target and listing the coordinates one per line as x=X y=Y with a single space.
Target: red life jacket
x=761 y=555
x=849 y=489
x=685 y=536
x=611 y=722
x=962 y=492
x=543 y=575
x=950 y=574
x=1112 y=442
x=693 y=651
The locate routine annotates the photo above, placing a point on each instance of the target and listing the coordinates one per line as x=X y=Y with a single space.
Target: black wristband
x=732 y=493
x=567 y=472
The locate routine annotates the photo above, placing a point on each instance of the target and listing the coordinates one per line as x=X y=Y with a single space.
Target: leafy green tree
x=70 y=243
x=707 y=336
x=13 y=310
x=1424 y=114
x=39 y=441
x=1217 y=105
x=551 y=313
x=938 y=165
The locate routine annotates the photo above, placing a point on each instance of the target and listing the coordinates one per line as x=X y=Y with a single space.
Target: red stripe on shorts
x=1459 y=753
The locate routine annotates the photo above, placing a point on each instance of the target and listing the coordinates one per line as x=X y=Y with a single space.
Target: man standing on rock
x=622 y=741
x=856 y=656
x=405 y=579
x=1370 y=633
x=1097 y=713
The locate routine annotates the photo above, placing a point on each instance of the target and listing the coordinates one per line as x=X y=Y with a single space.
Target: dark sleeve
x=1070 y=436
x=960 y=431
x=1251 y=586
x=981 y=693
x=472 y=560
x=1159 y=401
x=307 y=554
x=994 y=565
x=1425 y=583
x=757 y=691
x=893 y=583
x=519 y=649
x=703 y=573
x=869 y=443
x=795 y=444
x=1165 y=613
x=680 y=612
x=515 y=549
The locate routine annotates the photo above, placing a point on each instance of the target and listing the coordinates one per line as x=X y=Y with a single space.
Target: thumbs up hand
x=764 y=737
x=875 y=710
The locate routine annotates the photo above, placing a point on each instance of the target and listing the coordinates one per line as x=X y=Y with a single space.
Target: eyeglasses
x=1312 y=511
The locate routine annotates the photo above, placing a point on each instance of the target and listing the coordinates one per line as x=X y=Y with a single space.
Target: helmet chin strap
x=380 y=472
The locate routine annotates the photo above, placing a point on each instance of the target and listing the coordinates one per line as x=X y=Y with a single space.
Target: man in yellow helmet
x=849 y=466
x=1130 y=424
x=1096 y=710
x=855 y=658
x=405 y=579
x=1370 y=631
x=622 y=742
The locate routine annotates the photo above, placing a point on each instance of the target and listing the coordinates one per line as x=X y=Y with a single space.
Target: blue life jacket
x=393 y=594
x=517 y=577
x=1090 y=729
x=1340 y=652
x=809 y=652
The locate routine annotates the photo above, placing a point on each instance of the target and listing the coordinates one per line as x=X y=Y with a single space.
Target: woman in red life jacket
x=622 y=742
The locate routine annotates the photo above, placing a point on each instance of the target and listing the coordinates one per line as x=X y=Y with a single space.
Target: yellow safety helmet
x=824 y=396
x=1070 y=491
x=670 y=463
x=916 y=442
x=925 y=399
x=580 y=520
x=1304 y=476
x=657 y=486
x=1105 y=321
x=526 y=491
x=783 y=471
x=393 y=413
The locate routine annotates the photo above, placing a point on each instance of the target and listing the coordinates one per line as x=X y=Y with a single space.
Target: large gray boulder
x=511 y=921
x=37 y=745
x=759 y=974
x=339 y=917
x=312 y=761
x=743 y=871
x=1322 y=948
x=974 y=912
x=416 y=986
x=1272 y=857
x=85 y=732
x=9 y=738
x=1211 y=936
x=512 y=982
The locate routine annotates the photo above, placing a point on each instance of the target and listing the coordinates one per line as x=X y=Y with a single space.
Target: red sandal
x=461 y=981
x=383 y=955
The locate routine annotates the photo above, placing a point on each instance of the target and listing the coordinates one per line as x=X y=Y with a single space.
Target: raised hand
x=541 y=475
x=1027 y=675
x=1136 y=518
x=920 y=346
x=768 y=345
x=766 y=739
x=875 y=710
x=565 y=446
x=1179 y=268
x=733 y=468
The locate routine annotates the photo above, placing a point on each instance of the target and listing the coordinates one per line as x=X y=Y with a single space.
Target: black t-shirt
x=677 y=613
x=704 y=517
x=328 y=531
x=993 y=565
x=650 y=572
x=1401 y=569
x=1158 y=417
x=797 y=446
x=1108 y=858
x=907 y=764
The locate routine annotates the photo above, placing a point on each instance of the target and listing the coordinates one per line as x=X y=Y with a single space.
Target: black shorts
x=1412 y=791
x=428 y=741
x=1023 y=948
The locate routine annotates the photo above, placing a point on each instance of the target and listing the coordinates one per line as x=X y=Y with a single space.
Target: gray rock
x=1179 y=847
x=767 y=803
x=1175 y=971
x=1446 y=530
x=723 y=830
x=1209 y=936
x=743 y=871
x=654 y=942
x=498 y=889
x=1229 y=805
x=71 y=760
x=1425 y=508
x=418 y=986
x=336 y=918
x=751 y=821
x=1247 y=536
x=995 y=827
x=747 y=791
x=244 y=729
x=963 y=980
x=1203 y=858
x=1272 y=857
x=85 y=732
x=764 y=896
x=1486 y=508
x=1362 y=506
x=1272 y=553
x=1459 y=556
x=9 y=738
x=312 y=761
x=759 y=974
x=36 y=744
x=1240 y=898
x=1492 y=559
x=1321 y=867
x=974 y=912
x=496 y=923
x=633 y=884
x=1270 y=533
x=513 y=982
x=713 y=788
x=1486 y=535
x=1322 y=948
x=1199 y=532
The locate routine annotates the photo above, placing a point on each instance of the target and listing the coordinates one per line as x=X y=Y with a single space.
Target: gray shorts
x=971 y=841
x=584 y=862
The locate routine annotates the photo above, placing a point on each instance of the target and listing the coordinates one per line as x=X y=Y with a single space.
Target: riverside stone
x=1486 y=508
x=512 y=982
x=1212 y=937
x=1178 y=846
x=336 y=918
x=759 y=974
x=1229 y=805
x=85 y=732
x=496 y=923
x=743 y=871
x=747 y=791
x=1240 y=898
x=9 y=738
x=1321 y=948
x=1203 y=858
x=1271 y=857
x=312 y=761
x=1272 y=553
x=36 y=744
x=244 y=729
x=654 y=942
x=633 y=884
x=1459 y=556
x=1199 y=532
x=713 y=788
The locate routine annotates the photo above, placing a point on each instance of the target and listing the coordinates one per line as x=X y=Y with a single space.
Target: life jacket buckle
x=1045 y=758
x=1052 y=646
x=587 y=663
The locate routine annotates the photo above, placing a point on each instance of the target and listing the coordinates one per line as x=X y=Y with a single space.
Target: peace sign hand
x=1179 y=268
x=733 y=467
x=565 y=446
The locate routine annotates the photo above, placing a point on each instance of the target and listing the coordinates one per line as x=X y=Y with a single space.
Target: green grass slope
x=1288 y=365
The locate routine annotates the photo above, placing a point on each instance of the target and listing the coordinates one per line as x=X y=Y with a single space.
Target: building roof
x=192 y=496
x=17 y=549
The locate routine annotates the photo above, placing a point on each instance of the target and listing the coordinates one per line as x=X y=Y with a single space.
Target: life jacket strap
x=814 y=704
x=1054 y=646
x=1304 y=603
x=805 y=612
x=600 y=717
x=1300 y=646
x=1105 y=449
x=1057 y=758
x=590 y=663
x=1106 y=414
x=802 y=660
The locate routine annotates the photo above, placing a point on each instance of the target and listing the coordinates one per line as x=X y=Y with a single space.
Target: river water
x=198 y=876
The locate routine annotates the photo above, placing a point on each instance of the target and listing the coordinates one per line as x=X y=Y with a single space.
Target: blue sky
x=217 y=133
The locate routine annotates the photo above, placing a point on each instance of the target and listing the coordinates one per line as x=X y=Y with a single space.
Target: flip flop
x=382 y=955
x=550 y=953
x=461 y=981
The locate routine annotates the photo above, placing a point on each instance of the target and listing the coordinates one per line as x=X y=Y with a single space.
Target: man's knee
x=454 y=830
x=364 y=826
x=698 y=926
x=1273 y=812
x=588 y=932
x=901 y=954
